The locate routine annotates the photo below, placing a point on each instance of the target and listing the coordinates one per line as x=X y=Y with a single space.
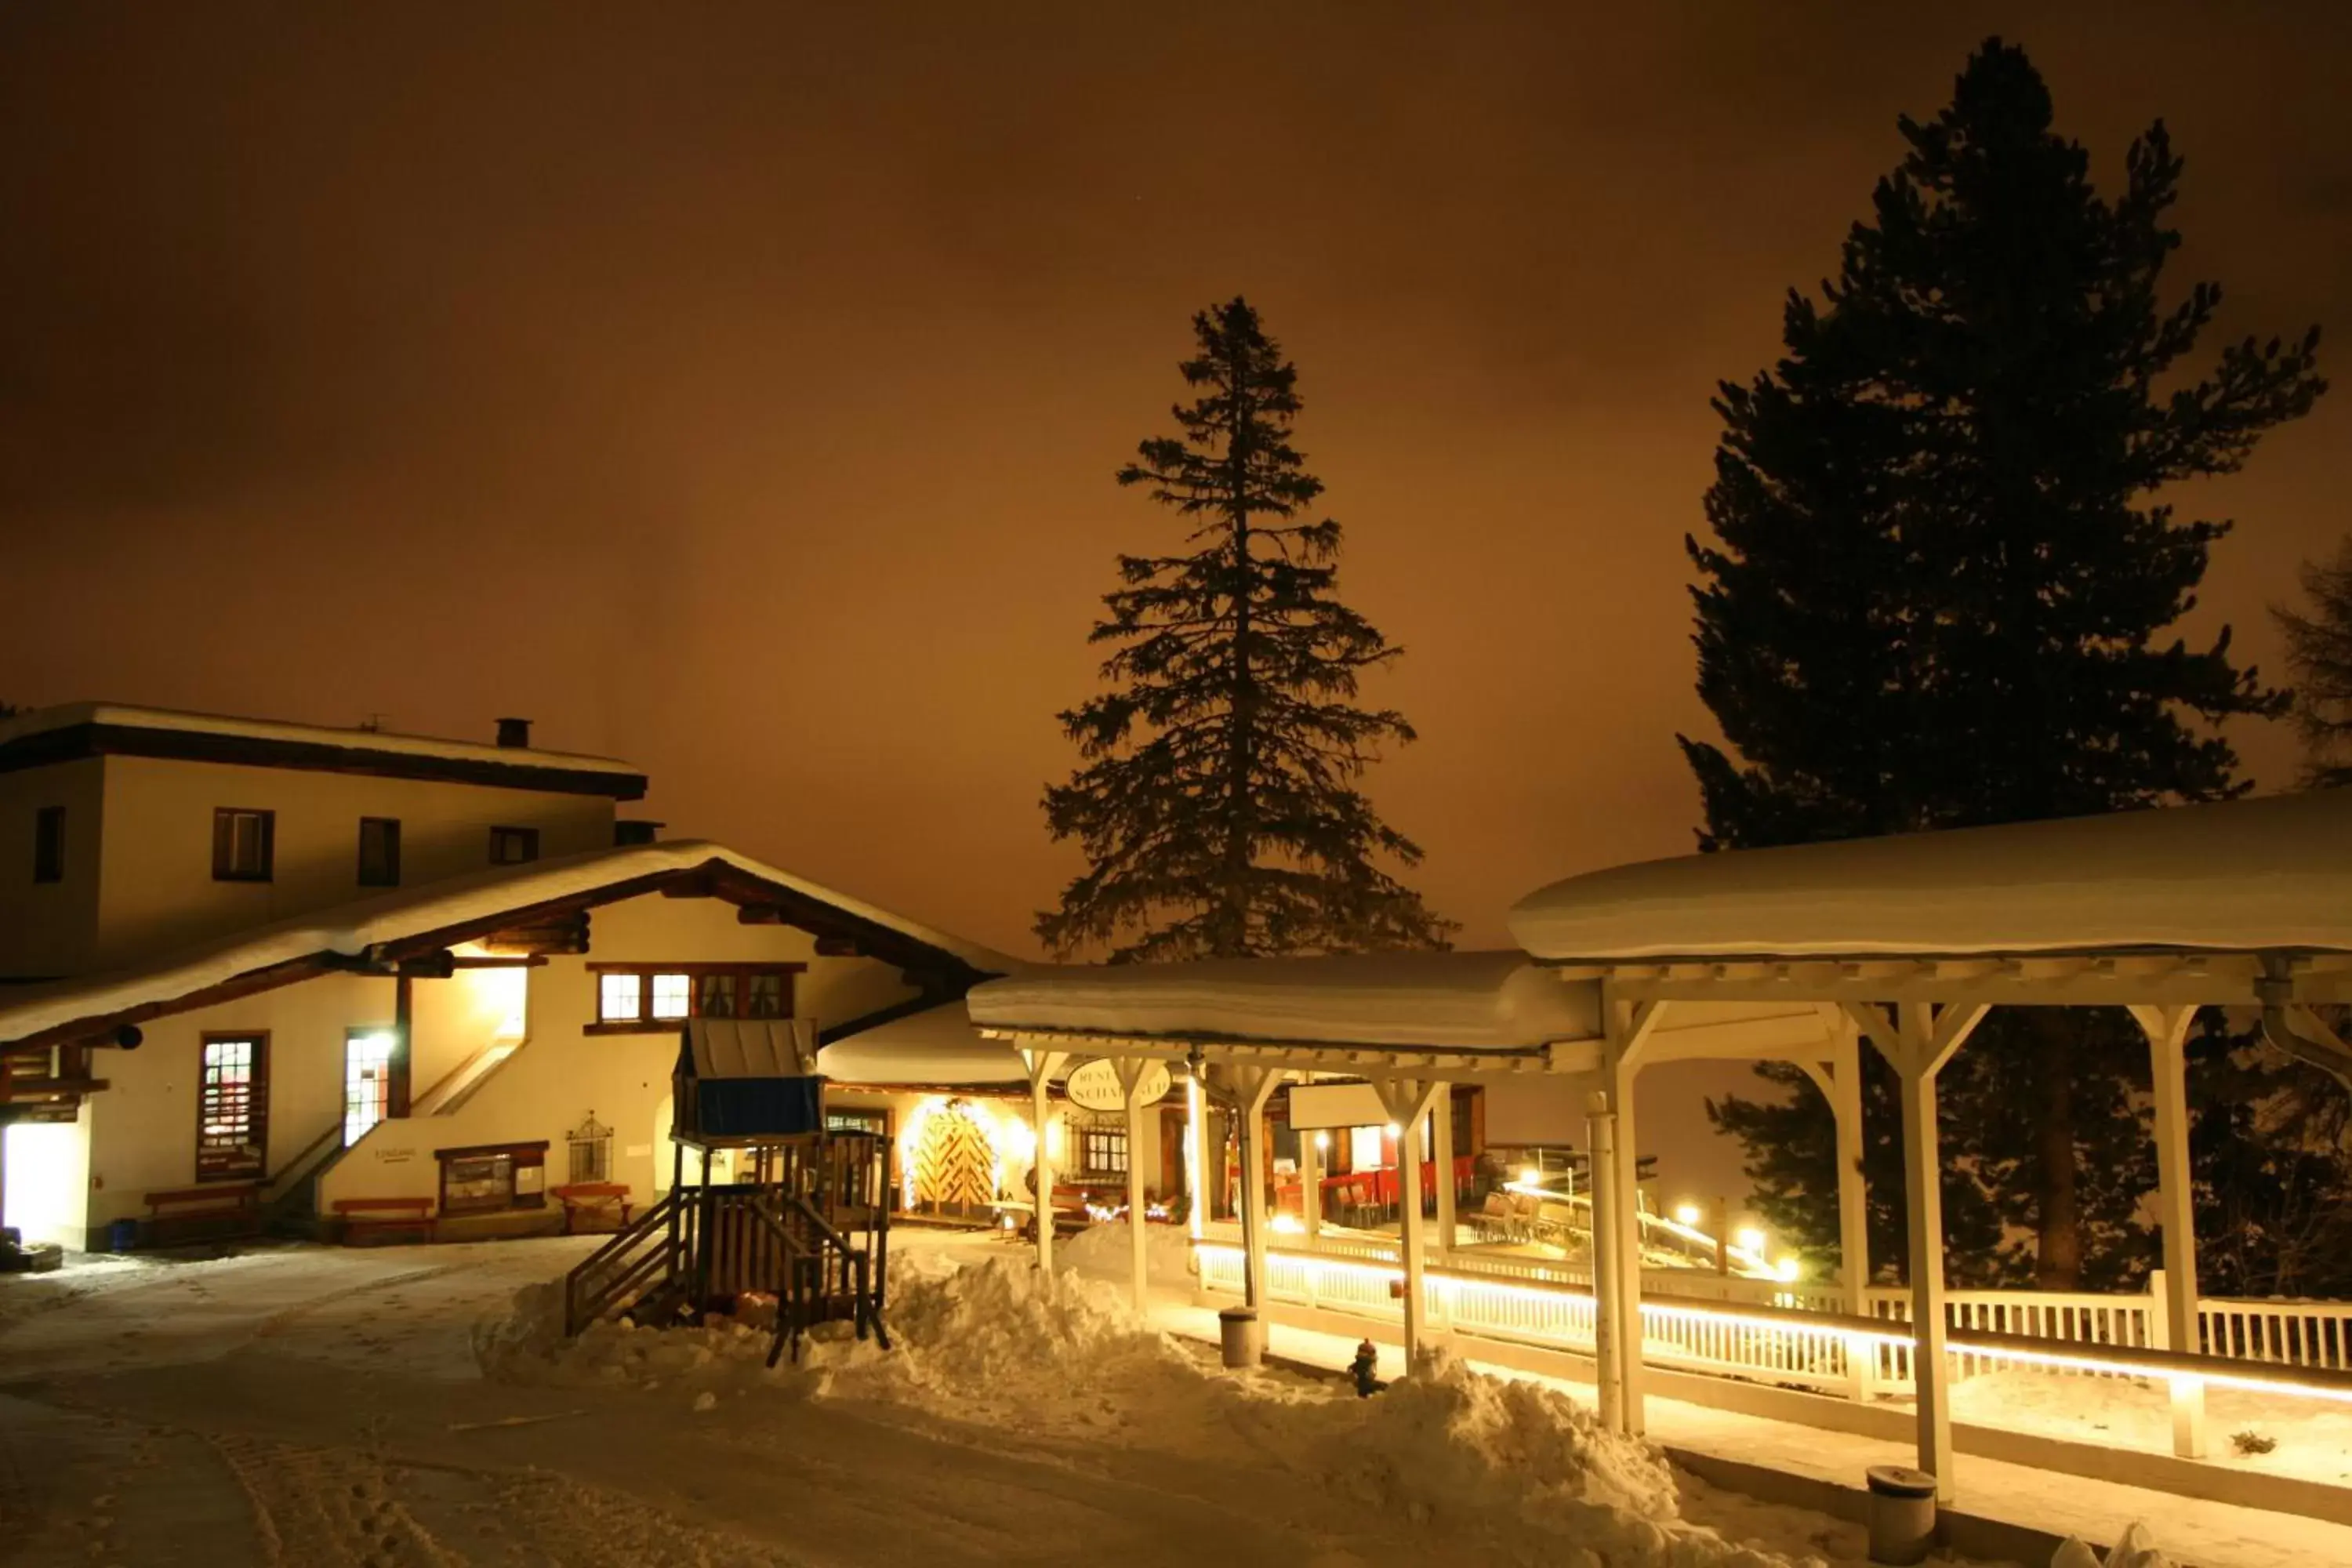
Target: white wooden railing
x=1760 y=1330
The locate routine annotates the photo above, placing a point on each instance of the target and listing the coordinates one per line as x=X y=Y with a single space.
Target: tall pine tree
x=1217 y=803
x=2319 y=657
x=1940 y=590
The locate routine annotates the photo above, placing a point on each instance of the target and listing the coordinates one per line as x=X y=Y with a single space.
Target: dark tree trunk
x=2058 y=1245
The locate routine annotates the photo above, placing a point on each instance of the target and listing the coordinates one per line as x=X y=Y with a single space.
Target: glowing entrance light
x=1685 y=1214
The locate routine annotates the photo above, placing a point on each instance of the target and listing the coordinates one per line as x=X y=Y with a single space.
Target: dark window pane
x=763 y=995
x=49 y=844
x=513 y=845
x=716 y=996
x=242 y=845
x=379 y=852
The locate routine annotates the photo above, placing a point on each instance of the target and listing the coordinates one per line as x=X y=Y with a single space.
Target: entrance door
x=367 y=1081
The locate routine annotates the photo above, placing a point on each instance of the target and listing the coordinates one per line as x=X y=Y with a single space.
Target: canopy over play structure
x=1798 y=955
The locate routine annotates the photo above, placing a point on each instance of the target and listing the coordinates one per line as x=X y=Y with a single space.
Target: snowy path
x=306 y=1405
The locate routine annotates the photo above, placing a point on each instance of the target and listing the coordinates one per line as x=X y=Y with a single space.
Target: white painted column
x=1407 y=1101
x=1626 y=1230
x=1196 y=1150
x=1607 y=1303
x=1924 y=1203
x=1854 y=1198
x=1253 y=1086
x=1042 y=1065
x=1132 y=1071
x=2168 y=1036
x=1441 y=1159
x=1310 y=1181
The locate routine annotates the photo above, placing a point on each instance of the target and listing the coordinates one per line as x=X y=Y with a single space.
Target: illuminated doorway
x=367 y=1081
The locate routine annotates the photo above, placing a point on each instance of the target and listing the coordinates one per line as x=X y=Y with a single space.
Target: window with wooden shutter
x=232 y=1108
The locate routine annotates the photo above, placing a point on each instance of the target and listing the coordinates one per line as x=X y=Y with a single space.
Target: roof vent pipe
x=515 y=732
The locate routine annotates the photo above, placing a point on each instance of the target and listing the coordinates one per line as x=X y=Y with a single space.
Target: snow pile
x=1001 y=1336
x=1104 y=1251
x=2136 y=1550
x=999 y=1346
x=1480 y=1441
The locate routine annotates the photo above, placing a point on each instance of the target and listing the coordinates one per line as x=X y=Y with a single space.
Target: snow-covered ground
x=409 y=1406
x=2311 y=1439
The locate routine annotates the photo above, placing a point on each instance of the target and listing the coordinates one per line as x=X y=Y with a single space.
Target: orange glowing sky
x=738 y=389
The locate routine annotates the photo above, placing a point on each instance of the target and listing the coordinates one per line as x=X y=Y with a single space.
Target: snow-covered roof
x=2236 y=876
x=451 y=904
x=69 y=715
x=936 y=1046
x=1467 y=1000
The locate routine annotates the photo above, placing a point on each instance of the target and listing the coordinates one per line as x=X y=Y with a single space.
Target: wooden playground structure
x=801 y=1218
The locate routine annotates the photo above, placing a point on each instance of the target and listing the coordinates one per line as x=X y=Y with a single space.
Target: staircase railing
x=640 y=1254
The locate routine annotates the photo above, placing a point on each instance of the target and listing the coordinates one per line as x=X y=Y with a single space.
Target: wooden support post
x=397 y=1072
x=1608 y=1303
x=1919 y=1040
x=1407 y=1101
x=2167 y=1037
x=1042 y=1067
x=1441 y=1160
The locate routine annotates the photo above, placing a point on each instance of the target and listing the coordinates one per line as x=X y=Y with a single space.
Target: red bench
x=373 y=1216
x=592 y=1197
x=221 y=1209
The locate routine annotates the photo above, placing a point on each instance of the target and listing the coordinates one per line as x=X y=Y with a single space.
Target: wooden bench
x=371 y=1216
x=221 y=1209
x=592 y=1197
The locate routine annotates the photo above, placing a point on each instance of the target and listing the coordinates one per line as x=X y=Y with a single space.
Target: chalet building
x=263 y=973
x=342 y=980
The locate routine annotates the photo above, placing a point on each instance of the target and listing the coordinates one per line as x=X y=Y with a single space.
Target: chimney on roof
x=514 y=732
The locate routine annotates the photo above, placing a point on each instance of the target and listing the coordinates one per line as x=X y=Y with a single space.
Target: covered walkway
x=1800 y=955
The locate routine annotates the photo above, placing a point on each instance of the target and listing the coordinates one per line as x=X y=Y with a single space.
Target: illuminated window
x=367 y=1081
x=617 y=999
x=651 y=997
x=1102 y=1151
x=243 y=844
x=673 y=995
x=232 y=1106
x=1368 y=1148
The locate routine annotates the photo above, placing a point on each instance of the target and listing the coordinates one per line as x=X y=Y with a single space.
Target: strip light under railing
x=1854 y=1333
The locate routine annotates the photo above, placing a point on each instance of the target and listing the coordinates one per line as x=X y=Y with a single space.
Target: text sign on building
x=1336 y=1105
x=1094 y=1085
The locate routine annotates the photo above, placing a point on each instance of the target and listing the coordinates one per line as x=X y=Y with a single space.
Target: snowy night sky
x=737 y=390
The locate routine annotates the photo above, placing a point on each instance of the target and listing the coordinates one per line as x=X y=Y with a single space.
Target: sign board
x=1094 y=1085
x=1319 y=1105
